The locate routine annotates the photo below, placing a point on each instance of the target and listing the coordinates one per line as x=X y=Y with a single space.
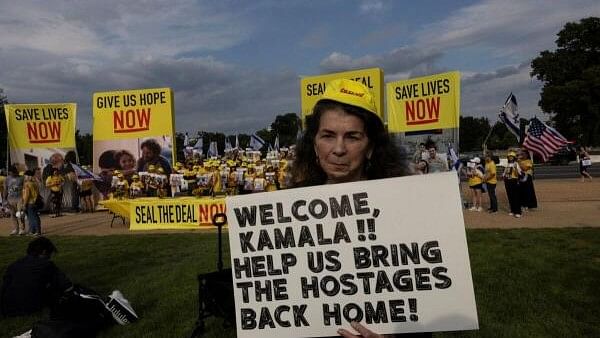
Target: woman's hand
x=364 y=332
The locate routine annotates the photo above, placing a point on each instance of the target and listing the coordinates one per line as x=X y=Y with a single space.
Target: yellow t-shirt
x=526 y=166
x=32 y=192
x=87 y=184
x=54 y=183
x=490 y=171
x=2 y=179
x=474 y=178
x=217 y=186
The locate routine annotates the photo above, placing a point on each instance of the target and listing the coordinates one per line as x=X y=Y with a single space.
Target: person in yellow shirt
x=30 y=194
x=511 y=183
x=475 y=175
x=490 y=181
x=55 y=184
x=528 y=198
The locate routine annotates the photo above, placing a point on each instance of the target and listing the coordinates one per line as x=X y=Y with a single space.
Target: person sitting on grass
x=33 y=282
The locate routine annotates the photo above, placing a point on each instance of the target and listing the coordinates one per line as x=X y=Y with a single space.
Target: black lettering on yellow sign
x=317 y=89
x=27 y=114
x=110 y=101
x=366 y=80
x=429 y=88
x=144 y=214
x=37 y=114
x=153 y=98
x=177 y=213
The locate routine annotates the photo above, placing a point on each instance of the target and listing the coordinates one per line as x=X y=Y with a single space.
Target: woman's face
x=342 y=146
x=127 y=162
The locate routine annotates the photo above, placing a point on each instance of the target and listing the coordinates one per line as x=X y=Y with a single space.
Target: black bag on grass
x=80 y=312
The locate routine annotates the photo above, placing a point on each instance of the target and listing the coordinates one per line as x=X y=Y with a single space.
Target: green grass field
x=528 y=283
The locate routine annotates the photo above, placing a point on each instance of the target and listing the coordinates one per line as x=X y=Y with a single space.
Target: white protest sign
x=391 y=254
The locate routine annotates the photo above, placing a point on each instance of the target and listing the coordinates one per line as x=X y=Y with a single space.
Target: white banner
x=391 y=254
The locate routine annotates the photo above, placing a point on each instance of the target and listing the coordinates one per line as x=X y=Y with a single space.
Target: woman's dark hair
x=71 y=157
x=386 y=160
x=39 y=245
x=107 y=160
x=152 y=145
x=120 y=154
x=13 y=170
x=426 y=169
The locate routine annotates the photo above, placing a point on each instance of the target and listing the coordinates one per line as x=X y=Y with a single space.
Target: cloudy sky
x=235 y=65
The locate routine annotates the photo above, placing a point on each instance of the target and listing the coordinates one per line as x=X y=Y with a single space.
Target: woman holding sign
x=345 y=141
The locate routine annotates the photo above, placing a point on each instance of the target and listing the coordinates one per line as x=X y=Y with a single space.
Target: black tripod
x=215 y=289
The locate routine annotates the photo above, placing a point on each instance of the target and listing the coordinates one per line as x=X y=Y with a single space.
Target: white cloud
x=508 y=28
x=120 y=29
x=397 y=60
x=371 y=6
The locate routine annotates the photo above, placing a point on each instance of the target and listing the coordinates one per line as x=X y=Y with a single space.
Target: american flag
x=542 y=139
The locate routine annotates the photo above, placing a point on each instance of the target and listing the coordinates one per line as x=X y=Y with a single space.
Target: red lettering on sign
x=130 y=120
x=422 y=111
x=43 y=132
x=207 y=211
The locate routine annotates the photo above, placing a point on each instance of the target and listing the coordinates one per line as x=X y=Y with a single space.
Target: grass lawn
x=528 y=283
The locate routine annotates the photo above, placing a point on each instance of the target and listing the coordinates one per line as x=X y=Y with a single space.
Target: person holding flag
x=511 y=175
x=527 y=190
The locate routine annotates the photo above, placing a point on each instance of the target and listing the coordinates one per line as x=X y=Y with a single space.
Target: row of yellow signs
x=424 y=103
x=118 y=115
x=431 y=102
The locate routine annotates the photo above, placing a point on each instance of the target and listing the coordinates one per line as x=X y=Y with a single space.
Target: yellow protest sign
x=313 y=87
x=177 y=213
x=133 y=114
x=49 y=125
x=424 y=103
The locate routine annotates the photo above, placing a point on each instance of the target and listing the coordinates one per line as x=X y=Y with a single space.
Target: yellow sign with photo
x=131 y=114
x=424 y=103
x=313 y=87
x=48 y=125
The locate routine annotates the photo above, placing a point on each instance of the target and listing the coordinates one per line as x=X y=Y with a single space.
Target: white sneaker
x=14 y=232
x=472 y=209
x=510 y=214
x=518 y=215
x=22 y=232
x=479 y=209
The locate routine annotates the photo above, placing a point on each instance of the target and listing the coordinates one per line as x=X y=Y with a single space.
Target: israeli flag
x=237 y=142
x=276 y=146
x=256 y=142
x=509 y=115
x=212 y=149
x=199 y=144
x=227 y=144
x=186 y=140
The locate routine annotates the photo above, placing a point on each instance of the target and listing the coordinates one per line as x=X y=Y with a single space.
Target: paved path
x=563 y=203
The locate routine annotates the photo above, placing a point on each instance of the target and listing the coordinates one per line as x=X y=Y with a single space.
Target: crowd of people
x=517 y=177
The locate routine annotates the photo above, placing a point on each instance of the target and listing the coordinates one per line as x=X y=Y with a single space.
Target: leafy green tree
x=501 y=138
x=472 y=132
x=571 y=77
x=286 y=126
x=84 y=145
